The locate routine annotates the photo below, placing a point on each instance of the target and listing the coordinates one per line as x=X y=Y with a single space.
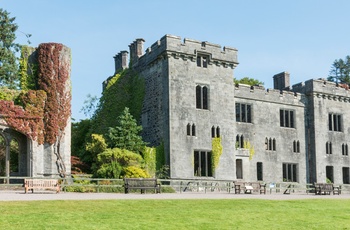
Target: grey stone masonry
x=285 y=134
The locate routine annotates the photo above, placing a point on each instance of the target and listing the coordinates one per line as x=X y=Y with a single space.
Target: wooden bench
x=326 y=189
x=31 y=184
x=249 y=187
x=141 y=183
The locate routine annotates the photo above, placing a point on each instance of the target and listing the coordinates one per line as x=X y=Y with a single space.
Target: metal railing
x=89 y=184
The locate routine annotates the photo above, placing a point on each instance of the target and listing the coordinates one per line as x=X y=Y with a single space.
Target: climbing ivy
x=28 y=69
x=149 y=156
x=216 y=151
x=27 y=116
x=40 y=114
x=124 y=89
x=251 y=149
x=53 y=74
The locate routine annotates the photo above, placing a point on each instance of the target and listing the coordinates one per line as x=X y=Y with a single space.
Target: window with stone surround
x=346 y=175
x=202 y=61
x=239 y=141
x=215 y=132
x=287 y=118
x=290 y=172
x=270 y=144
x=344 y=148
x=202 y=163
x=243 y=113
x=296 y=146
x=335 y=122
x=329 y=147
x=259 y=171
x=202 y=97
x=191 y=129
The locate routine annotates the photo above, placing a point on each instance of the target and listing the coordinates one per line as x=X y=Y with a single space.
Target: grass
x=176 y=214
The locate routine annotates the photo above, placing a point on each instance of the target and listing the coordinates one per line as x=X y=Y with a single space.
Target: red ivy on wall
x=44 y=113
x=53 y=78
x=26 y=119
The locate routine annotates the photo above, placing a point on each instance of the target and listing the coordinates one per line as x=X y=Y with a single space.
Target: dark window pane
x=249 y=118
x=205 y=97
x=281 y=118
x=243 y=111
x=213 y=132
x=286 y=120
x=193 y=130
x=205 y=62
x=203 y=164
x=259 y=171
x=198 y=61
x=291 y=119
x=218 y=131
x=188 y=129
x=330 y=121
x=210 y=173
x=335 y=123
x=238 y=112
x=339 y=123
x=196 y=163
x=198 y=97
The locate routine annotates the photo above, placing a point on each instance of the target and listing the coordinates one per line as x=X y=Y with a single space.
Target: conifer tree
x=8 y=49
x=126 y=134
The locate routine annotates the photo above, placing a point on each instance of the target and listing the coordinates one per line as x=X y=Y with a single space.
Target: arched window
x=294 y=147
x=266 y=144
x=274 y=144
x=270 y=144
x=240 y=141
x=298 y=146
x=14 y=156
x=193 y=130
x=205 y=97
x=218 y=131
x=213 y=132
x=202 y=97
x=198 y=97
x=188 y=129
x=2 y=156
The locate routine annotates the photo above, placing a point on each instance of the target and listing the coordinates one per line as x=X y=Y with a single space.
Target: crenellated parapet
x=170 y=46
x=258 y=93
x=321 y=88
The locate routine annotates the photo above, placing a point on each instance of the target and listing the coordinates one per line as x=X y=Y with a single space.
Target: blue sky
x=302 y=37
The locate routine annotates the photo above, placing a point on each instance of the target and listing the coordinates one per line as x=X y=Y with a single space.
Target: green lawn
x=176 y=214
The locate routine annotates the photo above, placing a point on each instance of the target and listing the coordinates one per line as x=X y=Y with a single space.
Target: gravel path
x=48 y=195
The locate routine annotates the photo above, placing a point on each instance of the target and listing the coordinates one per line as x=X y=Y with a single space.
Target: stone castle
x=293 y=133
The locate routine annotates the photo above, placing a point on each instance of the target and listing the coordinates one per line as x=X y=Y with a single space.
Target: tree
x=340 y=71
x=248 y=81
x=126 y=134
x=8 y=49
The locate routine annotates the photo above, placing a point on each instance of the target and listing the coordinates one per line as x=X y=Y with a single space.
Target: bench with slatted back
x=141 y=183
x=31 y=184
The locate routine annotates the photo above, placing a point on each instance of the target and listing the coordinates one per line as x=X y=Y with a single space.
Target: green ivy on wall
x=216 y=151
x=251 y=149
x=28 y=69
x=124 y=89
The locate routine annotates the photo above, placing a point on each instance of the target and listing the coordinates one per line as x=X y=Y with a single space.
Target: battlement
x=190 y=48
x=172 y=46
x=259 y=93
x=322 y=88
